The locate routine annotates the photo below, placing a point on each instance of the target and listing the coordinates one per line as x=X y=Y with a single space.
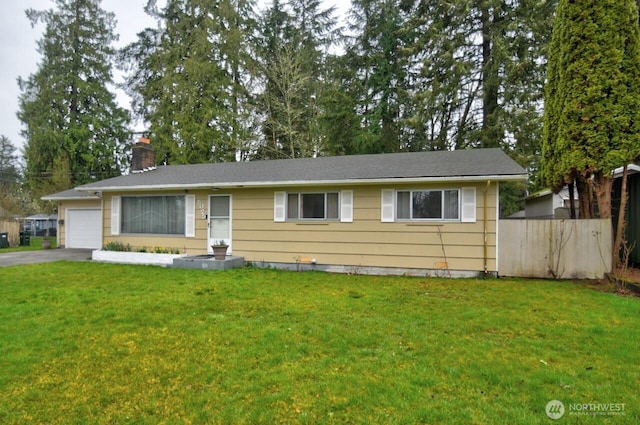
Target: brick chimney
x=143 y=157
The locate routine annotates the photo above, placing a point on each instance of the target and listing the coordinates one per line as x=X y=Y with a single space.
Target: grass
x=34 y=245
x=87 y=343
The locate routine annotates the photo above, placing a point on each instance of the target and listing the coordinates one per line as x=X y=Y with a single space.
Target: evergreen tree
x=292 y=49
x=9 y=174
x=75 y=132
x=592 y=104
x=190 y=78
x=477 y=71
x=339 y=122
x=380 y=74
x=11 y=193
x=445 y=86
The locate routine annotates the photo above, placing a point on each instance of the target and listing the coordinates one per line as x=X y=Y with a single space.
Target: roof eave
x=358 y=182
x=72 y=198
x=631 y=169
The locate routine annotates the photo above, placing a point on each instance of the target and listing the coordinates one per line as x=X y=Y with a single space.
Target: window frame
x=299 y=205
x=442 y=191
x=183 y=211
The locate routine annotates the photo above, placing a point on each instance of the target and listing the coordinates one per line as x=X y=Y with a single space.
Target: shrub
x=117 y=246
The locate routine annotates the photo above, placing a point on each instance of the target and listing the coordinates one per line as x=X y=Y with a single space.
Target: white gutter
x=233 y=185
x=631 y=169
x=497 y=228
x=72 y=198
x=486 y=228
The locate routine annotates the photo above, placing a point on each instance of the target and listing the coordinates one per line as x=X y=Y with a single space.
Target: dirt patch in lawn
x=628 y=283
x=634 y=275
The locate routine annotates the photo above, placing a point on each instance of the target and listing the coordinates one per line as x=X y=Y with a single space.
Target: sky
x=19 y=56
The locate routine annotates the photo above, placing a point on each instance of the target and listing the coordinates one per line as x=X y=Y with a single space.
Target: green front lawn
x=97 y=343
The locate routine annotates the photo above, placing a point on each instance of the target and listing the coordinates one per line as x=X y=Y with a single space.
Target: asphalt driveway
x=43 y=256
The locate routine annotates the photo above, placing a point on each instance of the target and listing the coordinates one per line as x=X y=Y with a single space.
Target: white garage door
x=84 y=229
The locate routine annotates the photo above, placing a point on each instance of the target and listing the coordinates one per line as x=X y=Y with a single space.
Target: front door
x=219 y=220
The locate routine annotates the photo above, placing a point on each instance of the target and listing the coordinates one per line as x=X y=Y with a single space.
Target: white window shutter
x=190 y=216
x=279 y=206
x=115 y=215
x=387 y=211
x=468 y=205
x=346 y=206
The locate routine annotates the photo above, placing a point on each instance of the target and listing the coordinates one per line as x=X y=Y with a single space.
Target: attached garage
x=79 y=219
x=84 y=228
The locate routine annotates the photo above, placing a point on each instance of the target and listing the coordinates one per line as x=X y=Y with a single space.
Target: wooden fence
x=559 y=249
x=13 y=228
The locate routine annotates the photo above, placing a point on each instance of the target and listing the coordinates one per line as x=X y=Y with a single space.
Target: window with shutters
x=428 y=204
x=160 y=215
x=314 y=206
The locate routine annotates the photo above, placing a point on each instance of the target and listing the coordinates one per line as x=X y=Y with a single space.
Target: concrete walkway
x=43 y=256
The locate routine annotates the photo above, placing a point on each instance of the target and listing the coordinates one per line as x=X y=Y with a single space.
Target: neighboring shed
x=545 y=204
x=390 y=213
x=79 y=219
x=632 y=230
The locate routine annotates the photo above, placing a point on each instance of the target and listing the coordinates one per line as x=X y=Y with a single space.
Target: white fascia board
x=540 y=194
x=71 y=198
x=350 y=182
x=631 y=169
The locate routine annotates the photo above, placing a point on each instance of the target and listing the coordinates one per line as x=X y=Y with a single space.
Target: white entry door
x=220 y=220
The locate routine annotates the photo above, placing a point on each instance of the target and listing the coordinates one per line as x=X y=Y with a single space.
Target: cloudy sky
x=19 y=58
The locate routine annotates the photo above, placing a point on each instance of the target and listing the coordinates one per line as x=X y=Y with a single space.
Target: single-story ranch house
x=415 y=213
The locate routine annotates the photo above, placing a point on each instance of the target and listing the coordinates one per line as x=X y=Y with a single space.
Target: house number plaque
x=203 y=213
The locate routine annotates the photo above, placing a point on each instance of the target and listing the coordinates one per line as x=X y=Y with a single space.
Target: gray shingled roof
x=444 y=165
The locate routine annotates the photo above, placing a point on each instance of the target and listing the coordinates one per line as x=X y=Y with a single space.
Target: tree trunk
x=585 y=198
x=572 y=198
x=617 y=244
x=490 y=136
x=603 y=184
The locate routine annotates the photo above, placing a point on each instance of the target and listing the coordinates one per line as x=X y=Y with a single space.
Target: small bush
x=164 y=250
x=122 y=247
x=117 y=246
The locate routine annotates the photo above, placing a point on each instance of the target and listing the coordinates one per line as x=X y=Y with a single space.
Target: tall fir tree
x=592 y=99
x=477 y=71
x=190 y=79
x=380 y=74
x=339 y=121
x=9 y=173
x=74 y=130
x=292 y=46
x=9 y=178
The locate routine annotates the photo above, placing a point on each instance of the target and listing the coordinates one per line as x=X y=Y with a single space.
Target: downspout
x=486 y=230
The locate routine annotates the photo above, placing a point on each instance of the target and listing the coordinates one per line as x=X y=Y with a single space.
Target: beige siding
x=365 y=242
x=63 y=206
